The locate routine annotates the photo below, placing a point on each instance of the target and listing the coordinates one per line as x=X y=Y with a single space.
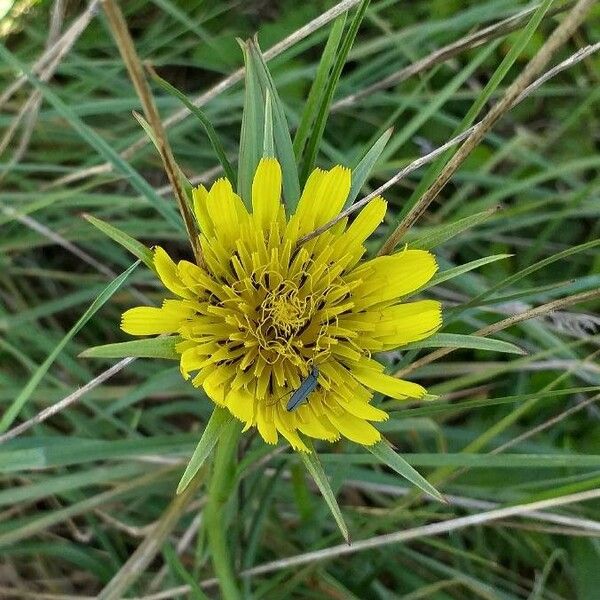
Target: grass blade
x=361 y=172
x=17 y=405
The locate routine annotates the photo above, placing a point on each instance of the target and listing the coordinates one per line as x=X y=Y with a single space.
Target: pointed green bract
x=284 y=150
x=205 y=122
x=218 y=420
x=132 y=245
x=314 y=467
x=438 y=235
x=363 y=169
x=147 y=348
x=442 y=276
x=386 y=454
x=184 y=182
x=474 y=342
x=253 y=127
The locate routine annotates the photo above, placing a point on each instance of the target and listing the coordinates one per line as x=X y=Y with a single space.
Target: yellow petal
x=386 y=384
x=388 y=278
x=265 y=425
x=226 y=211
x=288 y=432
x=323 y=197
x=241 y=405
x=148 y=320
x=408 y=322
x=167 y=271
x=362 y=410
x=355 y=429
x=215 y=384
x=200 y=198
x=266 y=192
x=367 y=221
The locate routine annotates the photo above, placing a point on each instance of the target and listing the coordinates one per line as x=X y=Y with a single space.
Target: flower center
x=286 y=311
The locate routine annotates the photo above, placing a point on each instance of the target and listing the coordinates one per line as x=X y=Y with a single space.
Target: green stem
x=220 y=490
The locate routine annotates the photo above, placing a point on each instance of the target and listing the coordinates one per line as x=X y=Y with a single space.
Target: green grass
x=80 y=493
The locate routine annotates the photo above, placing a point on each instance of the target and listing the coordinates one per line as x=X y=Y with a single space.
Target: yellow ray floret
x=268 y=319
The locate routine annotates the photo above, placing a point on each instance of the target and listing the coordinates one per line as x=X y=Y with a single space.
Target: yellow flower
x=265 y=312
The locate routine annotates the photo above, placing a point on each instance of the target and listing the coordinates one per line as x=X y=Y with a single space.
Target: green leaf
x=438 y=235
x=17 y=405
x=281 y=132
x=161 y=347
x=132 y=245
x=319 y=87
x=314 y=467
x=218 y=420
x=322 y=110
x=456 y=340
x=362 y=170
x=386 y=454
x=204 y=121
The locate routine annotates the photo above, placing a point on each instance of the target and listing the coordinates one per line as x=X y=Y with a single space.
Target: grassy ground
x=83 y=491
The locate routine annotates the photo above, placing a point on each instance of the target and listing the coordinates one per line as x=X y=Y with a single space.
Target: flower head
x=265 y=313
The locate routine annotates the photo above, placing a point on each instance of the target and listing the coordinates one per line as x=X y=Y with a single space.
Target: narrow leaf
x=438 y=235
x=204 y=121
x=183 y=180
x=461 y=269
x=322 y=111
x=319 y=87
x=132 y=245
x=314 y=467
x=455 y=340
x=384 y=452
x=361 y=172
x=162 y=347
x=218 y=420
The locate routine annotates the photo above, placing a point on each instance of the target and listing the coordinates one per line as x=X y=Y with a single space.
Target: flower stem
x=220 y=489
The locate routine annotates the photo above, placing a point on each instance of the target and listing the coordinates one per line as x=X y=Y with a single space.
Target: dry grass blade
x=136 y=73
x=558 y=37
x=65 y=402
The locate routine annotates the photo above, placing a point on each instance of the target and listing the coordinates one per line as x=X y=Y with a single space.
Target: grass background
x=80 y=493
